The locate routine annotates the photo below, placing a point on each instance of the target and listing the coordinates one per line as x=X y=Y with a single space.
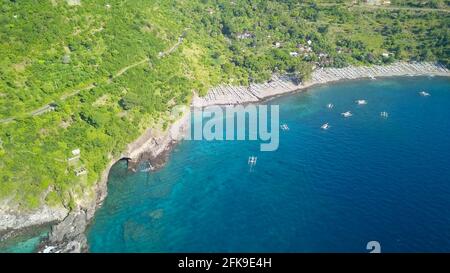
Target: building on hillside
x=73 y=2
x=303 y=48
x=80 y=171
x=244 y=35
x=74 y=158
x=378 y=2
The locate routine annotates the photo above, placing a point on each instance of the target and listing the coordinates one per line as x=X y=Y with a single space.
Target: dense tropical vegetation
x=111 y=68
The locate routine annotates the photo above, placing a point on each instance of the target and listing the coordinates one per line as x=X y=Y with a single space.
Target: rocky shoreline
x=68 y=228
x=68 y=235
x=278 y=85
x=154 y=146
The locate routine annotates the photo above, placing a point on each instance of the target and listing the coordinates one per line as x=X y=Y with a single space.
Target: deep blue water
x=366 y=178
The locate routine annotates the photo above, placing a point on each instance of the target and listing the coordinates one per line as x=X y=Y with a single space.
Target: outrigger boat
x=284 y=127
x=252 y=160
x=347 y=114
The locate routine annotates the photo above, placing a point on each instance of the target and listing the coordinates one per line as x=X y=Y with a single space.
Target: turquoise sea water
x=366 y=178
x=26 y=243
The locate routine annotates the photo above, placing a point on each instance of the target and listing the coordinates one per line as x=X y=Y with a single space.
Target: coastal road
x=174 y=47
x=73 y=93
x=125 y=69
x=50 y=107
x=6 y=120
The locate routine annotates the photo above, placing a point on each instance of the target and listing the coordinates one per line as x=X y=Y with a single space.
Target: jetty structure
x=227 y=94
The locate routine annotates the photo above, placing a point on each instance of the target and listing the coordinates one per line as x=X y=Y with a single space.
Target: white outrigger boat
x=384 y=114
x=361 y=102
x=347 y=114
x=424 y=94
x=284 y=127
x=330 y=105
x=325 y=126
x=252 y=160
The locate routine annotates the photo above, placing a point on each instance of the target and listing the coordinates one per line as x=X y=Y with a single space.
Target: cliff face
x=12 y=219
x=69 y=234
x=154 y=145
x=69 y=225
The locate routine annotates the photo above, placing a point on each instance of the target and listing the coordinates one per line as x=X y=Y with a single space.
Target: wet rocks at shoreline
x=67 y=236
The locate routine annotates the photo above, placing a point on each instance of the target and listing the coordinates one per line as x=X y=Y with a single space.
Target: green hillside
x=93 y=75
